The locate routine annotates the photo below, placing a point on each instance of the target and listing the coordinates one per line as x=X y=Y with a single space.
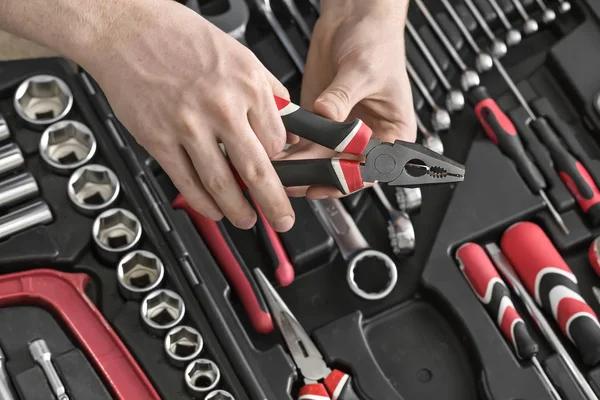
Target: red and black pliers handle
x=336 y=386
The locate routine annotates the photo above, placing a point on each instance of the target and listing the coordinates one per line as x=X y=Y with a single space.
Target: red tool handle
x=284 y=270
x=551 y=282
x=233 y=267
x=337 y=386
x=493 y=293
x=594 y=255
x=577 y=179
x=344 y=137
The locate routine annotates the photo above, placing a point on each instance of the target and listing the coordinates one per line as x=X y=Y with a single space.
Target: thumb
x=342 y=95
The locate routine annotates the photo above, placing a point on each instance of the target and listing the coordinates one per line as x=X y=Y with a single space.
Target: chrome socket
x=4 y=131
x=162 y=310
x=182 y=345
x=138 y=273
x=116 y=231
x=201 y=376
x=93 y=188
x=43 y=100
x=219 y=395
x=25 y=218
x=17 y=189
x=67 y=145
x=11 y=158
x=409 y=200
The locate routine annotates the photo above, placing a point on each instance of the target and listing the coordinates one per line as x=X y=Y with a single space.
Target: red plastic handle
x=64 y=296
x=238 y=275
x=594 y=255
x=551 y=282
x=336 y=386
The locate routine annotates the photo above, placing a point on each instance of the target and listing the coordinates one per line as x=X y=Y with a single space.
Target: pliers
x=320 y=382
x=399 y=164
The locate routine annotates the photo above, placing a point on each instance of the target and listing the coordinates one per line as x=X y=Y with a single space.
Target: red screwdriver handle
x=493 y=293
x=551 y=282
x=344 y=137
x=234 y=268
x=337 y=386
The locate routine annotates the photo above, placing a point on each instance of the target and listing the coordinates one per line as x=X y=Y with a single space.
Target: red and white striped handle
x=337 y=386
x=551 y=282
x=493 y=293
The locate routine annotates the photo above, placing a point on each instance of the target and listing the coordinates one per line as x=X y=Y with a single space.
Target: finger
x=267 y=124
x=278 y=88
x=178 y=166
x=255 y=168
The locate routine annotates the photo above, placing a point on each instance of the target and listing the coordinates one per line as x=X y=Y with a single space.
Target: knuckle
x=217 y=183
x=341 y=93
x=275 y=144
x=257 y=172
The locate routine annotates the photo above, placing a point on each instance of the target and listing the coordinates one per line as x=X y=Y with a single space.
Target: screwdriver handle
x=500 y=129
x=572 y=172
x=551 y=282
x=350 y=137
x=491 y=290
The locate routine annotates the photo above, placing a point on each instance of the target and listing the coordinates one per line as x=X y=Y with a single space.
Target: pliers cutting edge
x=400 y=163
x=321 y=382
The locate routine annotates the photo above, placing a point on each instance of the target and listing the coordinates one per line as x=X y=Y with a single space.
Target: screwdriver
x=551 y=282
x=491 y=290
x=572 y=172
x=500 y=129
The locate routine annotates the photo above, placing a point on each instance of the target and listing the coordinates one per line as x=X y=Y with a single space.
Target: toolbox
x=126 y=291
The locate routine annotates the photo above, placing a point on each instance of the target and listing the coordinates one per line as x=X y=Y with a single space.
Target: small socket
x=183 y=344
x=93 y=188
x=116 y=231
x=162 y=310
x=4 y=131
x=219 y=395
x=139 y=272
x=201 y=376
x=43 y=100
x=67 y=145
x=11 y=158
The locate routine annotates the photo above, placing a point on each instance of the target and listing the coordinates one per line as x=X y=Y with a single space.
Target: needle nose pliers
x=400 y=163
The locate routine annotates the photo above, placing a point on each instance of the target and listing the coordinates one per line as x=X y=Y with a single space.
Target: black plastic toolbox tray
x=65 y=243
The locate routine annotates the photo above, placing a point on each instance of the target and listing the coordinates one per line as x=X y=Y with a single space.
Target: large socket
x=11 y=158
x=202 y=376
x=182 y=345
x=17 y=189
x=139 y=272
x=25 y=218
x=161 y=311
x=43 y=100
x=115 y=232
x=67 y=145
x=93 y=188
x=219 y=394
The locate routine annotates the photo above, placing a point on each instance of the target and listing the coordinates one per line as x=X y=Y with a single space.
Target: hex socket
x=219 y=394
x=4 y=131
x=67 y=145
x=162 y=310
x=201 y=376
x=11 y=158
x=17 y=189
x=182 y=345
x=115 y=232
x=43 y=100
x=25 y=218
x=138 y=273
x=93 y=188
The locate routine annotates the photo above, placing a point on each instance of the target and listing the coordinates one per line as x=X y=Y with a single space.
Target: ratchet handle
x=344 y=137
x=233 y=266
x=337 y=386
x=502 y=132
x=551 y=282
x=337 y=172
x=491 y=290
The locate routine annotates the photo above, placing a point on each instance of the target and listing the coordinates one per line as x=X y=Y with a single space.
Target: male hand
x=356 y=69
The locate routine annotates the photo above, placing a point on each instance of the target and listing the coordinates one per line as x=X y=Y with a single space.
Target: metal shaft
x=461 y=26
x=17 y=189
x=428 y=56
x=24 y=218
x=510 y=274
x=431 y=140
x=554 y=213
x=10 y=158
x=316 y=5
x=513 y=87
x=41 y=355
x=382 y=197
x=521 y=10
x=297 y=15
x=498 y=48
x=544 y=377
x=500 y=13
x=421 y=85
x=6 y=392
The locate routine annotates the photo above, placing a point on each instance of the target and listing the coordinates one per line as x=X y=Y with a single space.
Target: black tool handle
x=500 y=129
x=343 y=174
x=344 y=137
x=572 y=172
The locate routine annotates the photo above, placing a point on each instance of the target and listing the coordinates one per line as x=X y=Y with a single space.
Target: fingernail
x=319 y=197
x=246 y=222
x=283 y=224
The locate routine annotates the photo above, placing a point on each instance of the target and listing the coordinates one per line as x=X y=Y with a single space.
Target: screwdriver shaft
x=513 y=87
x=544 y=377
x=554 y=213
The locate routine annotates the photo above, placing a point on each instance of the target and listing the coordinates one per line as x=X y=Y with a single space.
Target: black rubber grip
x=347 y=392
x=312 y=172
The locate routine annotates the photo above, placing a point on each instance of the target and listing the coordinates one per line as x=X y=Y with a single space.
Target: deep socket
x=6 y=392
x=40 y=353
x=162 y=310
x=138 y=273
x=67 y=145
x=25 y=218
x=43 y=100
x=201 y=376
x=11 y=158
x=182 y=345
x=4 y=131
x=93 y=188
x=116 y=231
x=219 y=395
x=17 y=189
